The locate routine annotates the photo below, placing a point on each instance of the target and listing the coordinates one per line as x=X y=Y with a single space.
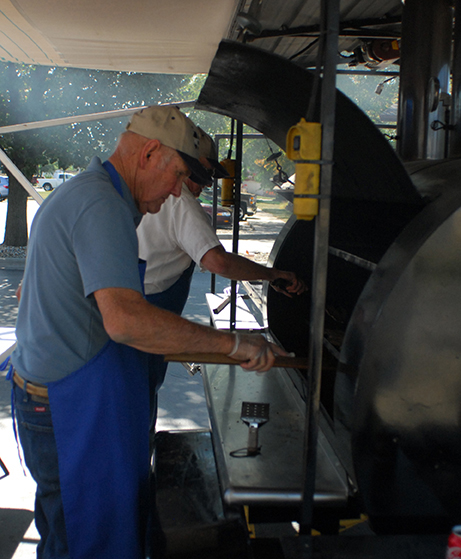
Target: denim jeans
x=38 y=443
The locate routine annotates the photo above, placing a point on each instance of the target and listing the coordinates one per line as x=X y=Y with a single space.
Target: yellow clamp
x=304 y=143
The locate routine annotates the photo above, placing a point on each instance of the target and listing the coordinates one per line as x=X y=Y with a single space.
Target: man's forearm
x=236 y=267
x=131 y=320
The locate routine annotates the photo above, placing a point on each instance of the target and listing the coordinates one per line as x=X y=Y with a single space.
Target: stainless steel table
x=273 y=477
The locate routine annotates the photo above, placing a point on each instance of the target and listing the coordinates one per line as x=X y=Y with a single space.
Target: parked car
x=49 y=183
x=4 y=183
x=223 y=215
x=247 y=204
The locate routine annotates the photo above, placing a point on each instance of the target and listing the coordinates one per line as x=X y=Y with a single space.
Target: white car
x=4 y=182
x=50 y=183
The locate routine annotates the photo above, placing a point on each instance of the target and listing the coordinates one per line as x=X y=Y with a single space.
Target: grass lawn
x=43 y=193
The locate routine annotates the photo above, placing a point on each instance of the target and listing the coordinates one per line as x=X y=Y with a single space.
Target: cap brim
x=198 y=171
x=209 y=181
x=220 y=171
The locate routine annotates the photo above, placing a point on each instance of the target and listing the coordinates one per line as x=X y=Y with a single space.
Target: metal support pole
x=424 y=77
x=236 y=222
x=4 y=469
x=235 y=232
x=214 y=212
x=328 y=50
x=20 y=177
x=12 y=128
x=455 y=136
x=217 y=139
x=76 y=119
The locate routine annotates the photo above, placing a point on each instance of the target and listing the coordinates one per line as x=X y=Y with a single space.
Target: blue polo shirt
x=83 y=238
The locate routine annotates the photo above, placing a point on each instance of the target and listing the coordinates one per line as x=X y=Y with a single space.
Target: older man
x=176 y=238
x=80 y=383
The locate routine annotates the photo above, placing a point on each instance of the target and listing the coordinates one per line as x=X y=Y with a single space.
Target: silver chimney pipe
x=455 y=134
x=424 y=78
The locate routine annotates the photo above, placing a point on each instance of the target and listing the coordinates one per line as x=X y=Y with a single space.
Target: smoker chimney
x=424 y=78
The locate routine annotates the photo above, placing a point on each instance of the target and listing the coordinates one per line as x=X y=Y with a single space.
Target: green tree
x=376 y=95
x=31 y=93
x=20 y=94
x=255 y=152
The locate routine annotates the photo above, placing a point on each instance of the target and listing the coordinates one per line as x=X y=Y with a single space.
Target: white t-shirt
x=170 y=239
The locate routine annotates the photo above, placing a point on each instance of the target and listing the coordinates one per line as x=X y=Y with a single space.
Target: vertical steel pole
x=235 y=237
x=215 y=212
x=455 y=135
x=328 y=51
x=424 y=77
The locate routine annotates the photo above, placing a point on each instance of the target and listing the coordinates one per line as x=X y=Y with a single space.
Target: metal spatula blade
x=254 y=415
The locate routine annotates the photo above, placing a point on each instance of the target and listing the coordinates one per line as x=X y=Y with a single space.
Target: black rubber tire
x=47 y=186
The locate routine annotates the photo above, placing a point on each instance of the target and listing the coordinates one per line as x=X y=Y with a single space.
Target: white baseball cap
x=174 y=130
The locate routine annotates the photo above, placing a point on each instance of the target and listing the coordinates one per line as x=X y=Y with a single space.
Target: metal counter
x=273 y=477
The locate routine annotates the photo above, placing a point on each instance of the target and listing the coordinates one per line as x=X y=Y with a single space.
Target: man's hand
x=255 y=352
x=236 y=267
x=288 y=283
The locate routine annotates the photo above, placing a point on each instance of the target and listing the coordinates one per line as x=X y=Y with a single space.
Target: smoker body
x=390 y=375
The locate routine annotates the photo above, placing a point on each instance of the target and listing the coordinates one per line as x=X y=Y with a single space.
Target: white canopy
x=156 y=36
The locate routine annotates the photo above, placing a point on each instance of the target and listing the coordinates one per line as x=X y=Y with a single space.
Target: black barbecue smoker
x=370 y=434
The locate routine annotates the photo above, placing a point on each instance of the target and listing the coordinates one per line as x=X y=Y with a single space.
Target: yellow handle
x=304 y=142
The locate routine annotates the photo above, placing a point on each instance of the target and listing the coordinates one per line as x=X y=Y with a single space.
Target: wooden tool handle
x=219 y=358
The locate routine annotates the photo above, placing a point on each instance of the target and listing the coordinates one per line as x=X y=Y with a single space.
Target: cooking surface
x=275 y=475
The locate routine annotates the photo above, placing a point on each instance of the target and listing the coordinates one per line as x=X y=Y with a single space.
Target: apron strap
x=114 y=176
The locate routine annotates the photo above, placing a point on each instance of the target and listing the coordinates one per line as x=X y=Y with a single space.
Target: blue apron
x=100 y=416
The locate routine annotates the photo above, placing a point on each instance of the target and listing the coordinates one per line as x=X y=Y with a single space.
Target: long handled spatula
x=254 y=415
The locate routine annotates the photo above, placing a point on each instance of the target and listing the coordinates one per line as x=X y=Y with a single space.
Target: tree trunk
x=16 y=216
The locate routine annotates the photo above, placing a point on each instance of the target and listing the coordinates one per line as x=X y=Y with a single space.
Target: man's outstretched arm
x=235 y=267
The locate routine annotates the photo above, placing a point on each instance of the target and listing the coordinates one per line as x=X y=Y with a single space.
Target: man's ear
x=149 y=150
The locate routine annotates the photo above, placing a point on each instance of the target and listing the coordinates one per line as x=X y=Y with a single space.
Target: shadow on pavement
x=11 y=273
x=14 y=523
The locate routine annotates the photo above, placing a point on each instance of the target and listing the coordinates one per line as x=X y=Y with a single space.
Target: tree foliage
x=255 y=151
x=33 y=93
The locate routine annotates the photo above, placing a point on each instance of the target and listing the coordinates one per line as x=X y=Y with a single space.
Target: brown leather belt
x=33 y=389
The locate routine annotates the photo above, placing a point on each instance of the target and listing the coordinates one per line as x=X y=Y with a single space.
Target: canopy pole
x=6 y=161
x=76 y=119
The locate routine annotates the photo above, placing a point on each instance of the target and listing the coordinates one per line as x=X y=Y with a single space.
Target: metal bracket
x=4 y=468
x=191 y=368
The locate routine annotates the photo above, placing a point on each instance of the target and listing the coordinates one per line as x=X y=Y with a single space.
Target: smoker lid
x=271 y=94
